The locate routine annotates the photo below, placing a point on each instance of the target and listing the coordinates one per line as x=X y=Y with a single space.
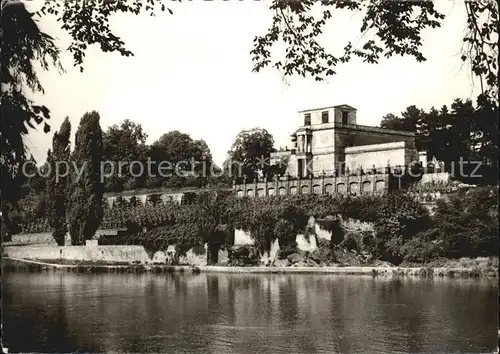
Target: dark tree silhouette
x=397 y=27
x=57 y=182
x=462 y=131
x=85 y=210
x=22 y=44
x=123 y=143
x=179 y=160
x=250 y=151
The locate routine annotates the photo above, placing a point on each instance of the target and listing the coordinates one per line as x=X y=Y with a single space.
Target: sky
x=192 y=72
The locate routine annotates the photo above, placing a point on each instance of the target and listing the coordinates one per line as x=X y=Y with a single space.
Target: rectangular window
x=324 y=117
x=345 y=117
x=307 y=119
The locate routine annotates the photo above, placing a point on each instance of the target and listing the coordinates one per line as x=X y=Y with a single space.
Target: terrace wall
x=354 y=184
x=111 y=254
x=142 y=195
x=126 y=254
x=45 y=238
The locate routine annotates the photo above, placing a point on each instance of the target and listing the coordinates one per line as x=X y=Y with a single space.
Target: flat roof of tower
x=328 y=107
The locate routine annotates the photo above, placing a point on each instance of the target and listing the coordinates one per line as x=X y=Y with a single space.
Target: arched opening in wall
x=261 y=192
x=341 y=188
x=354 y=187
x=379 y=186
x=304 y=190
x=250 y=193
x=366 y=187
x=239 y=193
x=317 y=189
x=293 y=190
x=282 y=191
x=270 y=192
x=329 y=188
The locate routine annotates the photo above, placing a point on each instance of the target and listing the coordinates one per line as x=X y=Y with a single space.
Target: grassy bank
x=480 y=266
x=97 y=267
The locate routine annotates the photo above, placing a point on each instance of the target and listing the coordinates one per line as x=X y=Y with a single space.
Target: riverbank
x=13 y=264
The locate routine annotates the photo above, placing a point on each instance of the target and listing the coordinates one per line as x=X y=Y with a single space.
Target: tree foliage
x=174 y=160
x=57 y=182
x=463 y=131
x=464 y=225
x=88 y=22
x=23 y=45
x=123 y=143
x=467 y=224
x=399 y=219
x=250 y=153
x=180 y=161
x=85 y=210
x=396 y=28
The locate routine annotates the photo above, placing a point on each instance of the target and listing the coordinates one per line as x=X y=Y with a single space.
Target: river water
x=236 y=313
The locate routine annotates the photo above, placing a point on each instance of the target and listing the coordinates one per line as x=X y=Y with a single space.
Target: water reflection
x=226 y=313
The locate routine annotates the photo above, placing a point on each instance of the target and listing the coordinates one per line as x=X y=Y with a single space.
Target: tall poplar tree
x=85 y=210
x=57 y=182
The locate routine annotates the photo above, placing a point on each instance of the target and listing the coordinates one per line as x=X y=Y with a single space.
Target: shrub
x=401 y=217
x=420 y=250
x=467 y=224
x=243 y=255
x=324 y=253
x=350 y=243
x=287 y=250
x=284 y=231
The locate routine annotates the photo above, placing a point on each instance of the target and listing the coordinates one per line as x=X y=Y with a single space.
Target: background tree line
x=42 y=202
x=126 y=142
x=462 y=131
x=69 y=201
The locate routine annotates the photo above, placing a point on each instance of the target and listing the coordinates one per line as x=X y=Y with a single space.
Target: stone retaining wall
x=112 y=254
x=126 y=254
x=44 y=238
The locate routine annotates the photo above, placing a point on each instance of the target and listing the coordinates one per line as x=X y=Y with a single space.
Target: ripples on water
x=235 y=313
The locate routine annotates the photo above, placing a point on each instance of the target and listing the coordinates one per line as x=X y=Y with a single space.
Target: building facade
x=331 y=154
x=329 y=139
